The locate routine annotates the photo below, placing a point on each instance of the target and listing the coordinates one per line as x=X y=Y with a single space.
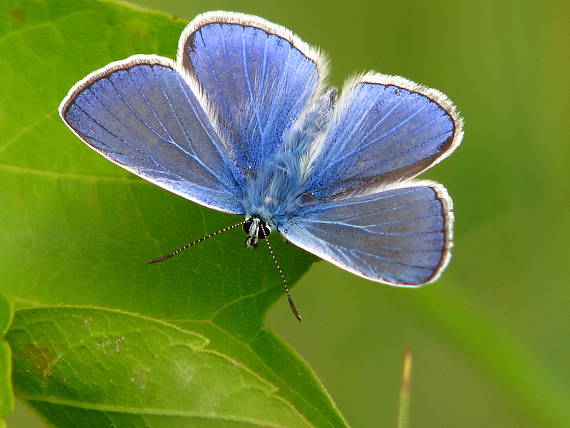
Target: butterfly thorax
x=274 y=192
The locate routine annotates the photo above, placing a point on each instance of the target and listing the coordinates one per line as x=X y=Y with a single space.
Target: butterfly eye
x=247 y=226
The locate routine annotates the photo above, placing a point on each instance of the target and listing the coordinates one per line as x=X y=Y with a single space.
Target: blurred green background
x=491 y=339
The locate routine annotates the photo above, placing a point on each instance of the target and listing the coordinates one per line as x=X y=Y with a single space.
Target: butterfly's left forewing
x=400 y=237
x=142 y=114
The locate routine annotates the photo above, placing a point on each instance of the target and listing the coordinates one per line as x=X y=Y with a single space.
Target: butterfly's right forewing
x=385 y=129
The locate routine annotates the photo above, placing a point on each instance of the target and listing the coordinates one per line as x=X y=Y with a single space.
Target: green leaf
x=77 y=230
x=6 y=395
x=108 y=368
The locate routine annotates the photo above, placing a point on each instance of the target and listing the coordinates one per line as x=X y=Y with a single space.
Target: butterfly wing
x=258 y=78
x=142 y=114
x=399 y=237
x=385 y=129
x=365 y=214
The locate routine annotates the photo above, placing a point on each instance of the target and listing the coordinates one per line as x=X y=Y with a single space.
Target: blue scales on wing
x=399 y=236
x=141 y=114
x=385 y=130
x=257 y=76
x=363 y=212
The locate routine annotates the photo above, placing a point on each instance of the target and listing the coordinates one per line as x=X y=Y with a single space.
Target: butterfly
x=243 y=122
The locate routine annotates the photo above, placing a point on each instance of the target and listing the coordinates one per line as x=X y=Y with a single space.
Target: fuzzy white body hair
x=275 y=191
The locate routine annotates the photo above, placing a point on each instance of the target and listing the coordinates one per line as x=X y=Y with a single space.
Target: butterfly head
x=256 y=228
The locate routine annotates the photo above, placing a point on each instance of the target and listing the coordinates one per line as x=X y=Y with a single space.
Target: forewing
x=400 y=237
x=257 y=76
x=385 y=130
x=141 y=114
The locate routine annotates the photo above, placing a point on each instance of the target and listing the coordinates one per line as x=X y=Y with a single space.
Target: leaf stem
x=404 y=410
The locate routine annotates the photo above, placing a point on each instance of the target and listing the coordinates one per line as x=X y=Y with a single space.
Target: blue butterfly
x=243 y=123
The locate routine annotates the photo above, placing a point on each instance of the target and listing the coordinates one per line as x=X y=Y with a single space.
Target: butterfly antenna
x=178 y=251
x=285 y=286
